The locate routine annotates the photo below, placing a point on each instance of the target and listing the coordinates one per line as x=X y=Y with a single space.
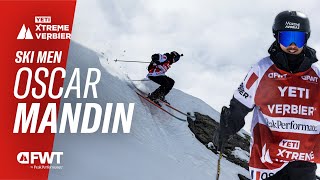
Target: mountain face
x=157 y=147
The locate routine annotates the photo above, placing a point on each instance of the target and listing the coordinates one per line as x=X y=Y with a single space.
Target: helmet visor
x=286 y=38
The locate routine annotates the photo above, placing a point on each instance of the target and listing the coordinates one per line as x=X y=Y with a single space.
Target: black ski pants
x=296 y=170
x=165 y=82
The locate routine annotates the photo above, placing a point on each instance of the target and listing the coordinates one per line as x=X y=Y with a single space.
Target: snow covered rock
x=237 y=148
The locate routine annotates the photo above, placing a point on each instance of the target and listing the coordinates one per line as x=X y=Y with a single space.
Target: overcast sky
x=220 y=40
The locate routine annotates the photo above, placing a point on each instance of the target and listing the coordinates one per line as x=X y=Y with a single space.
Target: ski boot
x=153 y=99
x=162 y=98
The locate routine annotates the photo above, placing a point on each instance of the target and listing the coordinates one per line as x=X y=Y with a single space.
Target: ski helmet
x=175 y=55
x=291 y=21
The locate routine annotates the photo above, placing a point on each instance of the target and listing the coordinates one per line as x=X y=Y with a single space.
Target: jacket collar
x=280 y=58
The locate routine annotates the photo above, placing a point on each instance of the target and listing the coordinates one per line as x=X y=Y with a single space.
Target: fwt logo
x=43 y=157
x=25 y=33
x=311 y=79
x=275 y=75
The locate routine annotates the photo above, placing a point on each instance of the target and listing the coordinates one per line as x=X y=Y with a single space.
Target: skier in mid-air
x=157 y=68
x=283 y=89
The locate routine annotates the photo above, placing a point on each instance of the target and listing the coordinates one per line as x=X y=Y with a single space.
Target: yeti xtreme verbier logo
x=44 y=29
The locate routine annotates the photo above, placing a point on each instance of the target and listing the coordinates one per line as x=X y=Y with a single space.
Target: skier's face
x=291 y=49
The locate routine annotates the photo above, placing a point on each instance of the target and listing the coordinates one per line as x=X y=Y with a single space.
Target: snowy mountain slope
x=158 y=147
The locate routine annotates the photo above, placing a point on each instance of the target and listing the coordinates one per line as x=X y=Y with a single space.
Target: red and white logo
x=23 y=157
x=290 y=144
x=42 y=19
x=310 y=79
x=265 y=155
x=293 y=155
x=44 y=29
x=275 y=75
x=43 y=157
x=25 y=33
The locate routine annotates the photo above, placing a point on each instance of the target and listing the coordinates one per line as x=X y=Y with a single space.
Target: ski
x=168 y=105
x=139 y=92
x=147 y=99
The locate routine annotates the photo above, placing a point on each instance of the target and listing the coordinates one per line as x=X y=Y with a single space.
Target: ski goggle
x=176 y=58
x=286 y=38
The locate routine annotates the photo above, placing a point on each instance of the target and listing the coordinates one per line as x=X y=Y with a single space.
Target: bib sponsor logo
x=292 y=92
x=265 y=155
x=242 y=91
x=277 y=76
x=284 y=109
x=310 y=79
x=290 y=144
x=293 y=125
x=301 y=156
x=296 y=92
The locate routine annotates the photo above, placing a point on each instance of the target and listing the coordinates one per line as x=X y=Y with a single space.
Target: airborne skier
x=283 y=90
x=157 y=68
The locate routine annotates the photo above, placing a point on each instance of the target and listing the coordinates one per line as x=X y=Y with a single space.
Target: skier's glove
x=155 y=59
x=231 y=121
x=223 y=133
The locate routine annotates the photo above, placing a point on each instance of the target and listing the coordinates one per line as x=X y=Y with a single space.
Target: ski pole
x=219 y=162
x=116 y=60
x=225 y=113
x=141 y=80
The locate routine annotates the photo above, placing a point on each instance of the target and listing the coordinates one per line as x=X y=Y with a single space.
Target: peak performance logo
x=45 y=30
x=25 y=33
x=297 y=126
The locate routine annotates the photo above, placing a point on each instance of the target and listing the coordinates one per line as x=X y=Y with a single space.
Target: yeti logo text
x=42 y=19
x=295 y=92
x=43 y=157
x=310 y=78
x=291 y=25
x=290 y=144
x=25 y=33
